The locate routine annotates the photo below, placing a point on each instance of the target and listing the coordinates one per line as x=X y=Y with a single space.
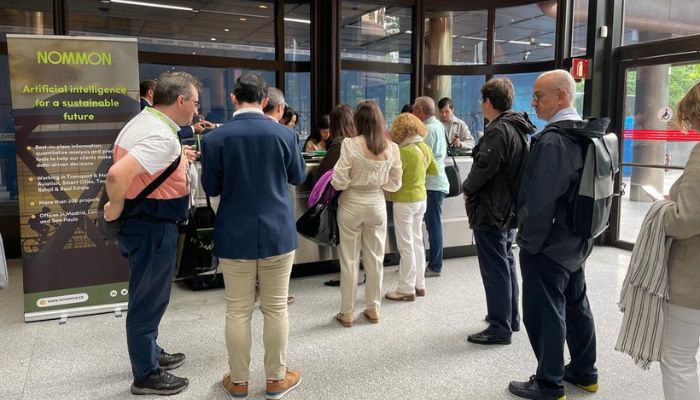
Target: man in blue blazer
x=249 y=161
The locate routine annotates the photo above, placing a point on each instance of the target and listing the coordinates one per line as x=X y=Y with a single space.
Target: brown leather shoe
x=238 y=390
x=277 y=389
x=420 y=292
x=344 y=319
x=398 y=296
x=372 y=315
x=290 y=300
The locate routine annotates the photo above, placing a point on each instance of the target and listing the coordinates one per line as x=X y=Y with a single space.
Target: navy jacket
x=547 y=192
x=249 y=161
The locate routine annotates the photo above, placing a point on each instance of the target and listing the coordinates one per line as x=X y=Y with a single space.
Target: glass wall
x=297 y=94
x=649 y=20
x=297 y=31
x=652 y=138
x=464 y=91
x=579 y=28
x=372 y=32
x=235 y=28
x=455 y=37
x=390 y=91
x=525 y=33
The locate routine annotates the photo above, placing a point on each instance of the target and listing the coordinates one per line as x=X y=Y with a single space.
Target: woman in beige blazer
x=682 y=221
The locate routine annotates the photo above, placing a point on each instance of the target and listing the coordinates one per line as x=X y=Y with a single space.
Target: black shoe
x=162 y=383
x=532 y=390
x=588 y=384
x=332 y=282
x=169 y=361
x=486 y=337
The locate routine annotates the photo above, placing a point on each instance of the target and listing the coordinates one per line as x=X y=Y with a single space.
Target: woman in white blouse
x=369 y=164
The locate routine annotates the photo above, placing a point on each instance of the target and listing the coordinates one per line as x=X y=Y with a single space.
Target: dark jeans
x=555 y=309
x=497 y=265
x=150 y=249
x=433 y=211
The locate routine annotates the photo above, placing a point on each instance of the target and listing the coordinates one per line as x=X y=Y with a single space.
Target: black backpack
x=592 y=200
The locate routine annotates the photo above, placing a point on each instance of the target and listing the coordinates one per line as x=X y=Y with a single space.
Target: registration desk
x=458 y=238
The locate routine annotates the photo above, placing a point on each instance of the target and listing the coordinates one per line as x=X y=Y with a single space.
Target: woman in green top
x=417 y=161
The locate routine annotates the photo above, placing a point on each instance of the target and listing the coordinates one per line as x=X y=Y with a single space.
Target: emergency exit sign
x=580 y=68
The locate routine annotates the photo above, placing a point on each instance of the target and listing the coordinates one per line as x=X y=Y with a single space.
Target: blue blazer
x=249 y=161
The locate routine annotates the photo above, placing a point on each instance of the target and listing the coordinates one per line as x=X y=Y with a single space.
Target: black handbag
x=452 y=172
x=197 y=255
x=320 y=224
x=110 y=229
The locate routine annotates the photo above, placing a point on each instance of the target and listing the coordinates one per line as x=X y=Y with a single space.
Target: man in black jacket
x=491 y=189
x=552 y=255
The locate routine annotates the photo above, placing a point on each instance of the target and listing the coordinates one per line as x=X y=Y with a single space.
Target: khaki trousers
x=362 y=225
x=239 y=277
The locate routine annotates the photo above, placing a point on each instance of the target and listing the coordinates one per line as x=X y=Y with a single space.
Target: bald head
x=553 y=91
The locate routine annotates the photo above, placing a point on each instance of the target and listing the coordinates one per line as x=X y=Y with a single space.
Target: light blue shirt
x=565 y=114
x=435 y=139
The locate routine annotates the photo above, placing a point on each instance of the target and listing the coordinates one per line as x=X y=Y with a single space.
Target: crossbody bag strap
x=451 y=154
x=152 y=186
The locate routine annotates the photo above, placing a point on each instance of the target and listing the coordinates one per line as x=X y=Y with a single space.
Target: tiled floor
x=417 y=351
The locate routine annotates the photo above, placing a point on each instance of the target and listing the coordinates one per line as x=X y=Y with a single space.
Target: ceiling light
x=226 y=29
x=144 y=4
x=409 y=32
x=262 y=6
x=213 y=39
x=243 y=19
x=301 y=21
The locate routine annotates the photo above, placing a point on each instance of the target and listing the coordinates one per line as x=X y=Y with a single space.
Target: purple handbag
x=323 y=191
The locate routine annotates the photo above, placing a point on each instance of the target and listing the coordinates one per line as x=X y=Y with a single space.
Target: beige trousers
x=362 y=224
x=239 y=277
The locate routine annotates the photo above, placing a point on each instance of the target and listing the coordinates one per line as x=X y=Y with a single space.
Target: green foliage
x=682 y=78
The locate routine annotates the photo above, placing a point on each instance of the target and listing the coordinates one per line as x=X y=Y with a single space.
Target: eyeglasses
x=196 y=103
x=537 y=96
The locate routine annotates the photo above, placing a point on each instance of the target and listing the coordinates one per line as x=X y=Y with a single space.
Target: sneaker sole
x=171 y=366
x=231 y=395
x=589 y=388
x=277 y=396
x=161 y=392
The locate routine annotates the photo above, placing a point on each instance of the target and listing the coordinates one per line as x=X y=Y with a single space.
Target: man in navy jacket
x=249 y=161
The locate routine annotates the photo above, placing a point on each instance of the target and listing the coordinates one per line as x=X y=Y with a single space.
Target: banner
x=70 y=98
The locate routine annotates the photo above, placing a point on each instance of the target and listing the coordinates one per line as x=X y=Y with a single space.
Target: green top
x=417 y=161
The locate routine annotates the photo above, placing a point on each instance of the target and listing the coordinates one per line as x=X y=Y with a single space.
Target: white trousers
x=679 y=368
x=408 y=226
x=362 y=225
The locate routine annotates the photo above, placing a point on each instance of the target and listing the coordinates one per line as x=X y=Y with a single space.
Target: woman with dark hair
x=290 y=118
x=407 y=108
x=318 y=140
x=369 y=164
x=342 y=126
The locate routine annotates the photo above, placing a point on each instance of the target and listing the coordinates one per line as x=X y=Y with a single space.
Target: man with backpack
x=491 y=190
x=552 y=253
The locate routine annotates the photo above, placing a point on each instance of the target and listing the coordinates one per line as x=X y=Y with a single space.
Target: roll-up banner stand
x=70 y=98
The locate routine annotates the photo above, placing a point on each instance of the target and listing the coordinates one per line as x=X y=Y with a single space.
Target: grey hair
x=561 y=79
x=275 y=97
x=426 y=104
x=173 y=84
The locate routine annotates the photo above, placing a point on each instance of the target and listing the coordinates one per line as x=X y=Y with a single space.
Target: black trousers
x=497 y=265
x=556 y=309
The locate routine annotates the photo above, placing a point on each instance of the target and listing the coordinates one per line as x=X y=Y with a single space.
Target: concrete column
x=439 y=52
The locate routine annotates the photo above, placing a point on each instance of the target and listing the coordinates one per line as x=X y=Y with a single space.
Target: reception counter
x=458 y=238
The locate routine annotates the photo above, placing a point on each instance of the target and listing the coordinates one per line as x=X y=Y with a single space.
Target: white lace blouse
x=354 y=170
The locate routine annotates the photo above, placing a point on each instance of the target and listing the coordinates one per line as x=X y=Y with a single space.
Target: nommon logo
x=61 y=300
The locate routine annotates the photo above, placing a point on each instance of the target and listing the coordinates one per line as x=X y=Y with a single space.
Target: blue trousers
x=433 y=212
x=497 y=265
x=150 y=249
x=555 y=310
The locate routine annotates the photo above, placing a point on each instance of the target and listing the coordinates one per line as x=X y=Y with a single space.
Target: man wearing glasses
x=552 y=255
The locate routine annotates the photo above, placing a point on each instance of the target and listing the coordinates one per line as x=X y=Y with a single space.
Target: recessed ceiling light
x=145 y=4
x=262 y=6
x=213 y=39
x=194 y=53
x=226 y=29
x=243 y=19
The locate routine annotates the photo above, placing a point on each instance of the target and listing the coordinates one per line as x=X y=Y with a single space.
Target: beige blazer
x=682 y=222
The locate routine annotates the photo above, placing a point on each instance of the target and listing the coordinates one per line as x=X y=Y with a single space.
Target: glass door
x=654 y=150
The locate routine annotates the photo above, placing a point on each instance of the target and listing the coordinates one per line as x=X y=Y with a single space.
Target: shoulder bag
x=452 y=172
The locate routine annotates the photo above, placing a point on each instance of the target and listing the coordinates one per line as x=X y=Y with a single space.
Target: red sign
x=669 y=135
x=580 y=68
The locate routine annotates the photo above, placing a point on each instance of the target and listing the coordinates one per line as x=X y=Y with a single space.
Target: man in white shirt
x=456 y=129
